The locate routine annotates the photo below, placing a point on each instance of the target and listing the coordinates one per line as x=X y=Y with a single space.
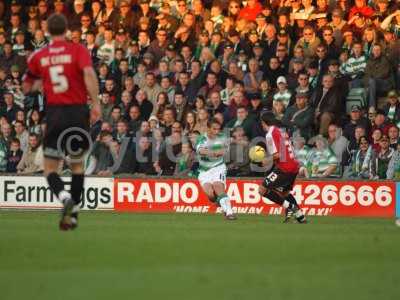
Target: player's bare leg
x=223 y=200
x=51 y=166
x=208 y=189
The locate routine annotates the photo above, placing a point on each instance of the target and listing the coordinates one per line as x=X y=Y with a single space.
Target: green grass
x=172 y=256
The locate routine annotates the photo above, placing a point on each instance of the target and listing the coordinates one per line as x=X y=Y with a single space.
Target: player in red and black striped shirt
x=65 y=72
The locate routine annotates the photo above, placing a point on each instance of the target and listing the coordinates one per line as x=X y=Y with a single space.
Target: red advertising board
x=336 y=198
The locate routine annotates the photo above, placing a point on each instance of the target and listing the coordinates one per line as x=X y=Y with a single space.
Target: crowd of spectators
x=166 y=67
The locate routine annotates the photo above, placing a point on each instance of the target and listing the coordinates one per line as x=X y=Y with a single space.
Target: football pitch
x=177 y=256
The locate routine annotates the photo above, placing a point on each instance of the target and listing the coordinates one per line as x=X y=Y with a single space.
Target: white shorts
x=216 y=174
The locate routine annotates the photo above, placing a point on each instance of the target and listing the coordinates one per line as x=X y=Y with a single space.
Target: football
x=256 y=154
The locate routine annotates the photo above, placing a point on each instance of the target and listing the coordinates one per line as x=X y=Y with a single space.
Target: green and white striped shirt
x=321 y=160
x=302 y=155
x=219 y=142
x=354 y=66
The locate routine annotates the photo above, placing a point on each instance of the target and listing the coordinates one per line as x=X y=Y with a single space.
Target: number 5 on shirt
x=58 y=79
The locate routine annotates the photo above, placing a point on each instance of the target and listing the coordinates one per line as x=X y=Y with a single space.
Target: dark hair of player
x=57 y=24
x=269 y=118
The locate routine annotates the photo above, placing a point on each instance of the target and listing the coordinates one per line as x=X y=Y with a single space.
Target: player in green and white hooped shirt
x=211 y=148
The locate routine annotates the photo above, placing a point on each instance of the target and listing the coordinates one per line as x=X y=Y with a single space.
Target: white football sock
x=63 y=195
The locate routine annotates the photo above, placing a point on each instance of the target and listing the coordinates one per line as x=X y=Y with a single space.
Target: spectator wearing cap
x=392 y=107
x=252 y=79
x=340 y=80
x=292 y=77
x=255 y=106
x=125 y=18
x=337 y=24
x=122 y=39
x=284 y=40
x=356 y=120
x=261 y=26
x=383 y=157
x=309 y=42
x=283 y=94
x=299 y=117
x=378 y=74
x=328 y=104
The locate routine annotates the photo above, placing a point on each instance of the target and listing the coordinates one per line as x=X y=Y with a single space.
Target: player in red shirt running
x=68 y=78
x=279 y=181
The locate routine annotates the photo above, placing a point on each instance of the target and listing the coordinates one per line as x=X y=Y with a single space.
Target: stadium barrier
x=321 y=198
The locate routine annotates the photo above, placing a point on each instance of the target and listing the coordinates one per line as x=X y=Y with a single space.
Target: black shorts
x=275 y=179
x=67 y=131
